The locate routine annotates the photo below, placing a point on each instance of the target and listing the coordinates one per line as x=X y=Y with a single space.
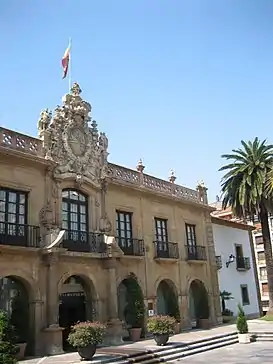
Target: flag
x=65 y=61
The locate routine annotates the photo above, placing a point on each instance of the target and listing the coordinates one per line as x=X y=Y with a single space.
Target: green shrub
x=242 y=325
x=159 y=325
x=8 y=349
x=86 y=333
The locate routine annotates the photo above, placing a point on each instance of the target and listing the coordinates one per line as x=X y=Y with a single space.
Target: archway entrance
x=167 y=300
x=198 y=302
x=14 y=299
x=130 y=304
x=75 y=305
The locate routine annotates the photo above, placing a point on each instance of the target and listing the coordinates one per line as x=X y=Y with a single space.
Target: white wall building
x=237 y=267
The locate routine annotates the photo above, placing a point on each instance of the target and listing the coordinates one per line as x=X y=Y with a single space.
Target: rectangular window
x=191 y=234
x=239 y=251
x=161 y=232
x=245 y=296
x=13 y=212
x=261 y=257
x=264 y=289
x=259 y=240
x=263 y=273
x=124 y=224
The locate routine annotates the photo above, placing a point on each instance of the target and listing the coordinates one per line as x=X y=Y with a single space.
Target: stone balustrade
x=26 y=144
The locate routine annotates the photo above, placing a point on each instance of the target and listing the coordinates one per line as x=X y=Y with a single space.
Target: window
x=75 y=214
x=261 y=257
x=239 y=251
x=263 y=273
x=265 y=304
x=264 y=289
x=124 y=224
x=161 y=232
x=13 y=212
x=245 y=296
x=259 y=240
x=191 y=235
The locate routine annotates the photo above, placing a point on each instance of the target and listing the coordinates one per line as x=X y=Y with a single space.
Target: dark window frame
x=191 y=234
x=79 y=203
x=161 y=225
x=244 y=290
x=128 y=233
x=17 y=214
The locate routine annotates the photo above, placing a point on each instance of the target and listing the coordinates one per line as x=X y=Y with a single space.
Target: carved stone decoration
x=105 y=224
x=46 y=216
x=77 y=147
x=44 y=121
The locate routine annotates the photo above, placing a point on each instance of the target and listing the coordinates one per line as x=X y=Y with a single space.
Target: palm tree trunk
x=268 y=254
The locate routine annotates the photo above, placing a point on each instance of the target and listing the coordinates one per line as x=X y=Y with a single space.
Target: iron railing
x=84 y=242
x=195 y=252
x=130 y=246
x=19 y=235
x=243 y=263
x=219 y=263
x=166 y=250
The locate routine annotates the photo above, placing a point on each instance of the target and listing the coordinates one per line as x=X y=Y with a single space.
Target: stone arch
x=198 y=301
x=16 y=295
x=132 y=274
x=89 y=279
x=130 y=301
x=167 y=299
x=77 y=302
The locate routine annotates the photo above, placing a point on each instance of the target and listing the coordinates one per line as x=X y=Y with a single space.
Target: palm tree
x=247 y=188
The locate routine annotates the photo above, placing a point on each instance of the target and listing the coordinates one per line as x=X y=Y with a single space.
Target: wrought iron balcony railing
x=84 y=242
x=242 y=263
x=166 y=250
x=130 y=246
x=195 y=252
x=19 y=235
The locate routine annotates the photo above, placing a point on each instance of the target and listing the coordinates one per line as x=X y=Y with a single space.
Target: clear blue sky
x=174 y=82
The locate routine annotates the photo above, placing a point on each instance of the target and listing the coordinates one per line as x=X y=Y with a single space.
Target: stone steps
x=262 y=336
x=175 y=351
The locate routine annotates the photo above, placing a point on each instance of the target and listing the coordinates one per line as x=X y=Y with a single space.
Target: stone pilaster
x=37 y=321
x=53 y=332
x=184 y=312
x=114 y=325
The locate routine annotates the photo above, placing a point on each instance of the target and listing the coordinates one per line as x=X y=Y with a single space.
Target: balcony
x=166 y=250
x=131 y=247
x=84 y=242
x=242 y=263
x=19 y=235
x=219 y=263
x=195 y=252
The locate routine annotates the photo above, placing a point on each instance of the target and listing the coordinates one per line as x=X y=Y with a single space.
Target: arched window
x=75 y=215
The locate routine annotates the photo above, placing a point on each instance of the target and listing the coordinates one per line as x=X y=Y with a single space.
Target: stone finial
x=75 y=89
x=140 y=167
x=202 y=190
x=172 y=177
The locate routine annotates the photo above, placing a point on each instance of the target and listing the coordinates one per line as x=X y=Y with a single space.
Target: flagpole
x=69 y=66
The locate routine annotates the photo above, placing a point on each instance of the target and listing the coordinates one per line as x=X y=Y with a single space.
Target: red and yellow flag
x=65 y=61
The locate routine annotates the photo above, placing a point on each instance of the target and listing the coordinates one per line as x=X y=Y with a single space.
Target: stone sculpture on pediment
x=76 y=146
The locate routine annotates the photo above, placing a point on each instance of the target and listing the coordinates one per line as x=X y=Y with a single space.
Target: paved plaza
x=259 y=352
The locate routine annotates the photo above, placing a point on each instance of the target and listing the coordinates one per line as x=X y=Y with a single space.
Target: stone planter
x=204 y=324
x=21 y=353
x=244 y=338
x=87 y=352
x=177 y=328
x=161 y=339
x=135 y=333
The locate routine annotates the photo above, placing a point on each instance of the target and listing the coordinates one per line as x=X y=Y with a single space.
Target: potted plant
x=161 y=327
x=85 y=336
x=8 y=348
x=20 y=320
x=242 y=327
x=135 y=310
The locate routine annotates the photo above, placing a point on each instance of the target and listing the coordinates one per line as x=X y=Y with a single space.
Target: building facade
x=236 y=265
x=76 y=232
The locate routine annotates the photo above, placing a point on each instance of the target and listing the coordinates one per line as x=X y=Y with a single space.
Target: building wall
x=230 y=279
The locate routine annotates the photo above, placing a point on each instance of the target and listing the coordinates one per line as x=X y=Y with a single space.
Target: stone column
x=184 y=312
x=36 y=324
x=114 y=325
x=53 y=332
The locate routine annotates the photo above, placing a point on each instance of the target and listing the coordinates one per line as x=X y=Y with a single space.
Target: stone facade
x=124 y=223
